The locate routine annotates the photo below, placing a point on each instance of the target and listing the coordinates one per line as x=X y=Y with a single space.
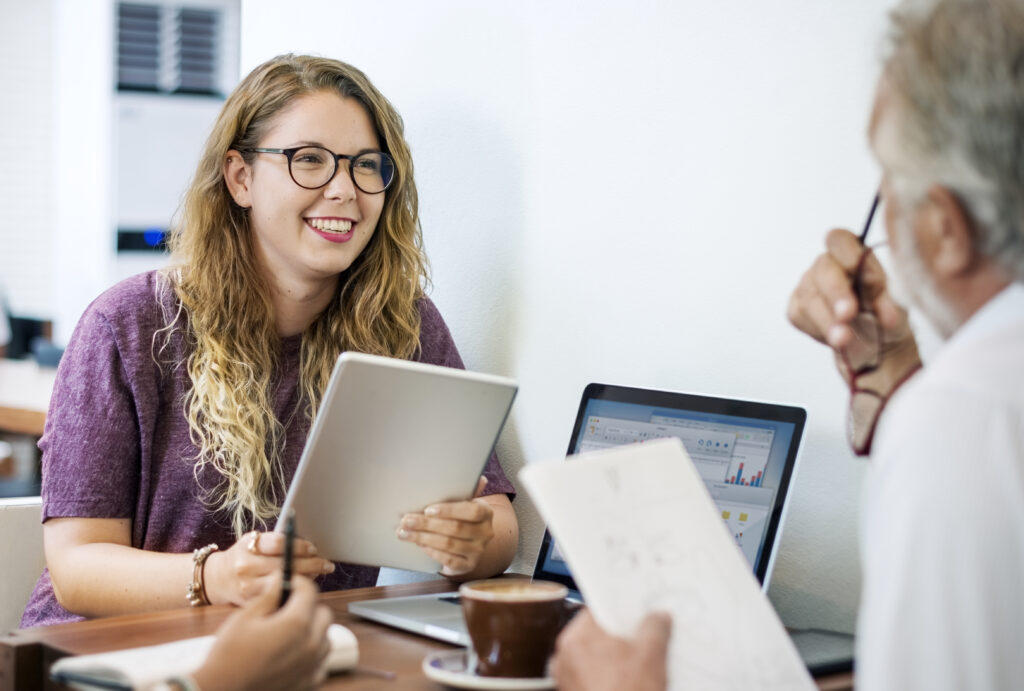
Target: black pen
x=871 y=215
x=289 y=543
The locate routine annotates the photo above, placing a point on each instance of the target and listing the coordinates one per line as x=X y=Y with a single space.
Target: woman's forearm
x=104 y=579
x=95 y=571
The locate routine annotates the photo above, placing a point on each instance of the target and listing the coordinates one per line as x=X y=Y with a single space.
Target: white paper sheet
x=640 y=533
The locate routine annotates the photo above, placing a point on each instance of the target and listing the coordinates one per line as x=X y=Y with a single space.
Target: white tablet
x=391 y=437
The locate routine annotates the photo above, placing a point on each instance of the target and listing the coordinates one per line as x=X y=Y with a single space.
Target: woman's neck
x=298 y=304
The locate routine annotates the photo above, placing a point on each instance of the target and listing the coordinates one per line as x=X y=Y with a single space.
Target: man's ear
x=238 y=176
x=952 y=234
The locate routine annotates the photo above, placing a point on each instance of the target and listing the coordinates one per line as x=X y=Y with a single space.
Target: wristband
x=196 y=594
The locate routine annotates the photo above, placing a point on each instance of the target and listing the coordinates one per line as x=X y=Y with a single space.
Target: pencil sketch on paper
x=641 y=535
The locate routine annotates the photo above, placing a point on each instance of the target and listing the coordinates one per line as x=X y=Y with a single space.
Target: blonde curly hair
x=227 y=315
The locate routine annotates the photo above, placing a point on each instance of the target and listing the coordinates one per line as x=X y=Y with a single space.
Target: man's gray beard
x=912 y=284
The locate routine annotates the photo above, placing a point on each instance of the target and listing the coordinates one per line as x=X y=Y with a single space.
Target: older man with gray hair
x=942 y=535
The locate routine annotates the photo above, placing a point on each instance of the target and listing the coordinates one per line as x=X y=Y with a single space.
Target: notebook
x=745 y=451
x=148 y=667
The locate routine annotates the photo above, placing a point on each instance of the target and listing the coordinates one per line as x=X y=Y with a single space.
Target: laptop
x=745 y=451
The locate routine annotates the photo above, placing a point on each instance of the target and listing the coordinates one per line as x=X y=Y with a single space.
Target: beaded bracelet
x=196 y=594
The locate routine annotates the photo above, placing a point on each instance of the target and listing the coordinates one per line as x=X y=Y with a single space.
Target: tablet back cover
x=392 y=437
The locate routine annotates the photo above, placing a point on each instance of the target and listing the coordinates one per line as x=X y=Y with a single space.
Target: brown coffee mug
x=513 y=624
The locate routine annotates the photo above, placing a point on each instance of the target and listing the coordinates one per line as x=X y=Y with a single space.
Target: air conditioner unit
x=175 y=64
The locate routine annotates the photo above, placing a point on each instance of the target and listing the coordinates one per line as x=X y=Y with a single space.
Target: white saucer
x=449 y=667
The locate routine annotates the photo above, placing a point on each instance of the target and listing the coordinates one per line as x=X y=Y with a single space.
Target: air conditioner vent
x=168 y=48
x=197 y=50
x=138 y=47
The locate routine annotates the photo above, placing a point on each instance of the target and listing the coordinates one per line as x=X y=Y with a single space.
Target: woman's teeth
x=333 y=225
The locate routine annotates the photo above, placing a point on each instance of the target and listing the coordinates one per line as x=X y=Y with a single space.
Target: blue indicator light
x=153 y=236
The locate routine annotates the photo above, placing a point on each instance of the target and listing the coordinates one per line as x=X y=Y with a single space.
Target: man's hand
x=824 y=305
x=588 y=659
x=263 y=647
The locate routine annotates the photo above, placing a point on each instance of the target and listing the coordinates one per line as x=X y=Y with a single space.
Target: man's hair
x=955 y=70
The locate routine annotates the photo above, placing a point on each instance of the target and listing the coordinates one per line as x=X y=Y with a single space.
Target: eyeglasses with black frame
x=312 y=167
x=862 y=356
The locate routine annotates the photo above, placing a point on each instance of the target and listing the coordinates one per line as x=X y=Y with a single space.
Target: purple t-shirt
x=117 y=444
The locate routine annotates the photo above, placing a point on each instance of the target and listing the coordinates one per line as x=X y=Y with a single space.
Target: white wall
x=627 y=192
x=81 y=205
x=26 y=161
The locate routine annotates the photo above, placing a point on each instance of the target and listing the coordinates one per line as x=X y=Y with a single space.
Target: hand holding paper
x=641 y=534
x=587 y=657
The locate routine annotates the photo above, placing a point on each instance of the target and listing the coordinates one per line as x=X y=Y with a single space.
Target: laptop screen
x=745 y=451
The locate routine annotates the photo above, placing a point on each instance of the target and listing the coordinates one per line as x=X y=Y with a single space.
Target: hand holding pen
x=843 y=300
x=845 y=280
x=262 y=646
x=286 y=586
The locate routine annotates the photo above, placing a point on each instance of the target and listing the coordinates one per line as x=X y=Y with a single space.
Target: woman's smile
x=332 y=229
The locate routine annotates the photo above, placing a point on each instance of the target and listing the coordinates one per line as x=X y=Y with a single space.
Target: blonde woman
x=185 y=396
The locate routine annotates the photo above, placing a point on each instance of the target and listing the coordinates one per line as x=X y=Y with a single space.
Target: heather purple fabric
x=116 y=442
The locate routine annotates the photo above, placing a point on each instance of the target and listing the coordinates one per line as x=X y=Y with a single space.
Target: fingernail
x=835 y=335
x=845 y=306
x=403 y=535
x=312 y=550
x=432 y=510
x=409 y=523
x=329 y=567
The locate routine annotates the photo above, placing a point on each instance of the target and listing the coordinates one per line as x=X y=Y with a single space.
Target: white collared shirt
x=942 y=525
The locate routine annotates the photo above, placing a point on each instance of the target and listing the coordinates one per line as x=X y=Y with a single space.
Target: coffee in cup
x=513 y=624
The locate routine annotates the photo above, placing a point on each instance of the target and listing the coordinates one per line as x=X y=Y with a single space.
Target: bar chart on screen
x=738 y=477
x=750 y=458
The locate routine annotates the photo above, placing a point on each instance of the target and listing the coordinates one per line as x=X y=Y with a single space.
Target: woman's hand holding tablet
x=454 y=533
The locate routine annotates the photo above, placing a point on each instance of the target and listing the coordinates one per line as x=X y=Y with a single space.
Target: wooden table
x=25 y=390
x=26 y=655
